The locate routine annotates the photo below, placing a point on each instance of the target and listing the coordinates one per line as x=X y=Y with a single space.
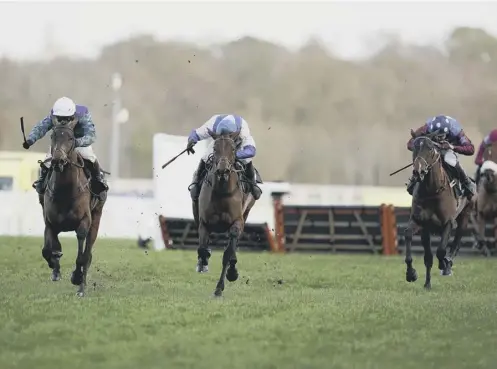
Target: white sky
x=349 y=28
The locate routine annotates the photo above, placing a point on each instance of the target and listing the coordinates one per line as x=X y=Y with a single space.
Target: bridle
x=65 y=154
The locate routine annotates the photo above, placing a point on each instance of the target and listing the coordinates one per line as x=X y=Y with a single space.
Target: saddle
x=94 y=191
x=454 y=181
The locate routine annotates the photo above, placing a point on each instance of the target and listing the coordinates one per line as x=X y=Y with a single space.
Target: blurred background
x=330 y=90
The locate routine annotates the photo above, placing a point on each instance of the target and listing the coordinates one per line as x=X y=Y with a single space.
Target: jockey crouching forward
x=456 y=142
x=489 y=139
x=65 y=110
x=221 y=124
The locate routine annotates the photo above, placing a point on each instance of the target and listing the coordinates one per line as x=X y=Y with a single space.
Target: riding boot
x=196 y=185
x=410 y=185
x=477 y=175
x=468 y=185
x=254 y=188
x=39 y=184
x=97 y=176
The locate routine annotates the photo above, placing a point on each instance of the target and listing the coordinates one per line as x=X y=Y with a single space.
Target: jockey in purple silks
x=221 y=124
x=456 y=142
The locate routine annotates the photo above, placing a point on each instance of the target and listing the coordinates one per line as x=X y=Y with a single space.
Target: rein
x=429 y=167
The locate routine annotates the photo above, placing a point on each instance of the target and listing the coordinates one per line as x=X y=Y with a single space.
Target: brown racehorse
x=224 y=206
x=69 y=205
x=486 y=203
x=436 y=208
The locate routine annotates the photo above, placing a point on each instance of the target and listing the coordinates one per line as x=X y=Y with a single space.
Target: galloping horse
x=486 y=203
x=224 y=206
x=69 y=205
x=438 y=206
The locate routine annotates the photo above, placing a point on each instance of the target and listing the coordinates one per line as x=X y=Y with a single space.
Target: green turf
x=151 y=310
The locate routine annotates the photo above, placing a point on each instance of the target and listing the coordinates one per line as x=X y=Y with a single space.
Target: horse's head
x=425 y=155
x=488 y=178
x=224 y=154
x=63 y=144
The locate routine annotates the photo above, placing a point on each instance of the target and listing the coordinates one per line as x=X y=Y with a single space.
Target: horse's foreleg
x=229 y=257
x=87 y=254
x=462 y=224
x=52 y=252
x=77 y=277
x=411 y=274
x=235 y=233
x=428 y=256
x=203 y=252
x=481 y=242
x=444 y=262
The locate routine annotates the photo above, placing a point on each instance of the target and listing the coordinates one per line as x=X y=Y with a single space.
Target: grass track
x=331 y=311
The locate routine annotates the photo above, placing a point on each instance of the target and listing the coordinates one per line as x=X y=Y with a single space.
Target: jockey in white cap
x=65 y=110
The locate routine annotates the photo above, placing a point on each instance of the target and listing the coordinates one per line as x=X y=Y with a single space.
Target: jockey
x=65 y=110
x=456 y=142
x=219 y=124
x=487 y=141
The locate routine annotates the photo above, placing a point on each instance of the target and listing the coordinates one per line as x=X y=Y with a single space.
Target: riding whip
x=22 y=130
x=177 y=156
x=401 y=169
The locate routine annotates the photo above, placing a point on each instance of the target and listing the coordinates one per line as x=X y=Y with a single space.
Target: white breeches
x=86 y=152
x=210 y=150
x=450 y=158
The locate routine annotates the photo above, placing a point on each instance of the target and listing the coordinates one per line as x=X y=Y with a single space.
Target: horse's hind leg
x=444 y=263
x=411 y=274
x=203 y=252
x=77 y=277
x=52 y=252
x=428 y=256
x=229 y=257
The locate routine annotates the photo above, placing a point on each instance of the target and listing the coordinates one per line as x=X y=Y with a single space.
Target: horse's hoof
x=80 y=294
x=446 y=272
x=218 y=292
x=411 y=275
x=202 y=268
x=427 y=286
x=55 y=276
x=232 y=274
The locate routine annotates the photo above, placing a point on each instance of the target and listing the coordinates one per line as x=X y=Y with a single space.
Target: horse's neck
x=229 y=191
x=69 y=177
x=436 y=179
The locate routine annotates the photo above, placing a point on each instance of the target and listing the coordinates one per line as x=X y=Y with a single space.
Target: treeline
x=316 y=118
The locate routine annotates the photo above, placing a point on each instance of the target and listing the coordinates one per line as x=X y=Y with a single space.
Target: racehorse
x=486 y=203
x=224 y=205
x=438 y=206
x=69 y=205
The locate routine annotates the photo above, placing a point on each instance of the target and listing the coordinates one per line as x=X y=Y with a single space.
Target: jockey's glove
x=189 y=147
x=27 y=144
x=447 y=146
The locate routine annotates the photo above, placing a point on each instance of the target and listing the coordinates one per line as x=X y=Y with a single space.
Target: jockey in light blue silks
x=65 y=110
x=225 y=124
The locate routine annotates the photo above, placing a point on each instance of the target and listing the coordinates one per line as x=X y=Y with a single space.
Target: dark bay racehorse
x=69 y=205
x=438 y=206
x=223 y=206
x=486 y=203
